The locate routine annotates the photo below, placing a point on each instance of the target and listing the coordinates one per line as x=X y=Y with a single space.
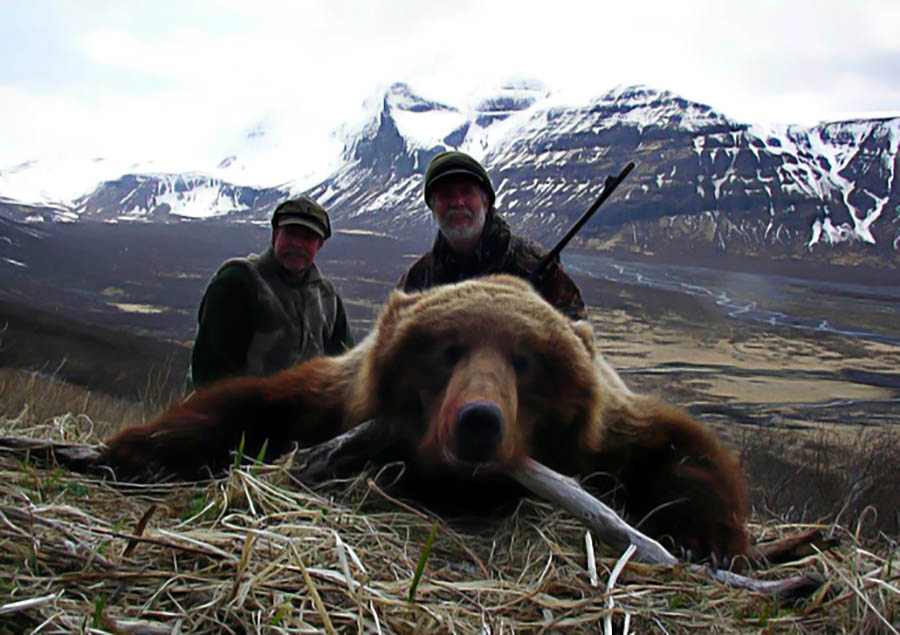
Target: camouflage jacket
x=256 y=319
x=500 y=251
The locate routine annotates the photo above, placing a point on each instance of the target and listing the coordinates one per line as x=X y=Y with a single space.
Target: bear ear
x=400 y=299
x=390 y=315
x=585 y=333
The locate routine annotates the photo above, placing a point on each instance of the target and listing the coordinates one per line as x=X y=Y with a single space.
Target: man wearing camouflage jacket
x=264 y=313
x=475 y=240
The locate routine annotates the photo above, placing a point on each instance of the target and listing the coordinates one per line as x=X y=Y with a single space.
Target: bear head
x=474 y=388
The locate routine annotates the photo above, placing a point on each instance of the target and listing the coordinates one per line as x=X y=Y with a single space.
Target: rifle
x=609 y=186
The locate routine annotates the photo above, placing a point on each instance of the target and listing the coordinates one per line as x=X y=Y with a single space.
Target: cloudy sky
x=139 y=78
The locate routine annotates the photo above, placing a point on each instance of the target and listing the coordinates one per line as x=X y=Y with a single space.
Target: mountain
x=172 y=196
x=379 y=185
x=704 y=184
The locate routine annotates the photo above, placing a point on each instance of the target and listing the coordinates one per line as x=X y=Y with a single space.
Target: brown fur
x=492 y=344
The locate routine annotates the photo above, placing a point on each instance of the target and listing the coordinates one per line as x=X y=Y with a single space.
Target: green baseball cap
x=304 y=211
x=454 y=162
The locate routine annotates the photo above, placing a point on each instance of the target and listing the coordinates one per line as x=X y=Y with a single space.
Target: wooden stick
x=565 y=492
x=342 y=453
x=791 y=548
x=609 y=527
x=78 y=456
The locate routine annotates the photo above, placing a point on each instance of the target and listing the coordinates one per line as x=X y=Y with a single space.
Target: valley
x=805 y=365
x=705 y=335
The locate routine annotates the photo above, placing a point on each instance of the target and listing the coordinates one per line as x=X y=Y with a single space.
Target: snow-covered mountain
x=704 y=183
x=380 y=182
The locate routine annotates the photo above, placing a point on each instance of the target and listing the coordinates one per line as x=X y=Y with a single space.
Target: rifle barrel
x=609 y=187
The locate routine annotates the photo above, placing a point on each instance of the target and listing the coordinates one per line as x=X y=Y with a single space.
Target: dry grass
x=37 y=399
x=251 y=554
x=826 y=474
x=255 y=553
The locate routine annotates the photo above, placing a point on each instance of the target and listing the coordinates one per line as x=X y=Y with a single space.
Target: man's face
x=296 y=247
x=459 y=206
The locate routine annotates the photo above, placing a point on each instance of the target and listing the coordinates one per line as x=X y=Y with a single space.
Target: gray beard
x=463 y=235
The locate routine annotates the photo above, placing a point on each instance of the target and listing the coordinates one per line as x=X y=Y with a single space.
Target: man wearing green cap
x=474 y=239
x=264 y=313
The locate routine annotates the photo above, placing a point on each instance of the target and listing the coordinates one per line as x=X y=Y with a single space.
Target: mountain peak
x=511 y=96
x=399 y=96
x=636 y=94
x=644 y=106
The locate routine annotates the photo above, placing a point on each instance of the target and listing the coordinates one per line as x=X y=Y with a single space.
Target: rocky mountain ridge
x=704 y=183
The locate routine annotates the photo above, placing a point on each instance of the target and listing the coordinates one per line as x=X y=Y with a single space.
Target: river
x=868 y=312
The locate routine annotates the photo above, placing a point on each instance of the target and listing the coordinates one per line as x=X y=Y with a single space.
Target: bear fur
x=469 y=378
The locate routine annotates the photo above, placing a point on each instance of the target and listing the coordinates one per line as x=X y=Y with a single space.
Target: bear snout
x=479 y=431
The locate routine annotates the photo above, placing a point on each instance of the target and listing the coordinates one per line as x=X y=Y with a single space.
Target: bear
x=469 y=378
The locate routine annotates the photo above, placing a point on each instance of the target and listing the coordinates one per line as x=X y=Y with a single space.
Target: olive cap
x=453 y=162
x=304 y=211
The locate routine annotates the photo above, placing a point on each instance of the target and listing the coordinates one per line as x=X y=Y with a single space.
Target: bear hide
x=469 y=378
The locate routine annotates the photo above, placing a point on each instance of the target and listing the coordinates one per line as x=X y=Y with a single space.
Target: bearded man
x=267 y=312
x=475 y=240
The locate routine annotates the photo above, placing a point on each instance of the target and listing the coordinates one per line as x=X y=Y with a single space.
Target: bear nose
x=479 y=429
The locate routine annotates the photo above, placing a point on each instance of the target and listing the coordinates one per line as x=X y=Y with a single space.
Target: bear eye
x=453 y=353
x=521 y=363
